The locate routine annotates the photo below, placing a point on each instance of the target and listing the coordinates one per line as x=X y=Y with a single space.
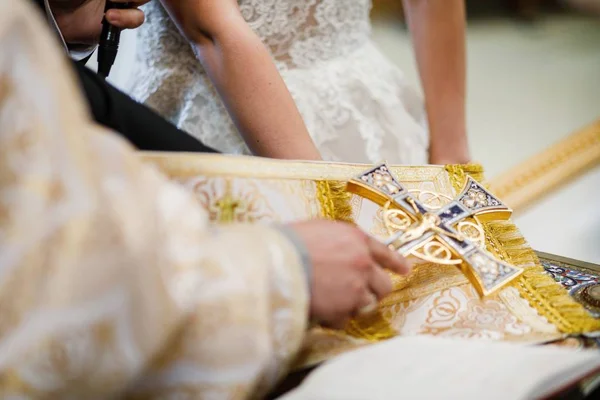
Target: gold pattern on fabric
x=189 y=165
x=335 y=205
x=423 y=280
x=228 y=206
x=453 y=312
x=450 y=306
x=227 y=202
x=536 y=286
x=434 y=299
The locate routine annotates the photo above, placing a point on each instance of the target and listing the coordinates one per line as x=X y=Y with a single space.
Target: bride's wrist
x=449 y=154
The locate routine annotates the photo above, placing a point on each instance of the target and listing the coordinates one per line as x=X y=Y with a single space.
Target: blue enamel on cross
x=486 y=272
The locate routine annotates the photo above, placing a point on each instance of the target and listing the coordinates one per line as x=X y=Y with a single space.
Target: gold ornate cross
x=437 y=235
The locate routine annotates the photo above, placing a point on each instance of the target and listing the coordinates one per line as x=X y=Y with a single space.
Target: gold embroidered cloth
x=434 y=299
x=114 y=283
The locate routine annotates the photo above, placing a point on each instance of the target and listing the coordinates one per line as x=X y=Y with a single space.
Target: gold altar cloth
x=434 y=299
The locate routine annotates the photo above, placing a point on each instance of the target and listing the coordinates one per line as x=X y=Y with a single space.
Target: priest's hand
x=347 y=270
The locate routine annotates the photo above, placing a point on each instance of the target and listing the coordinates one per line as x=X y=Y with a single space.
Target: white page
x=423 y=367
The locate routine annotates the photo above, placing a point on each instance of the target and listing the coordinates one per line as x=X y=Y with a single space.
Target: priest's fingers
x=338 y=320
x=368 y=304
x=387 y=258
x=336 y=323
x=380 y=282
x=125 y=18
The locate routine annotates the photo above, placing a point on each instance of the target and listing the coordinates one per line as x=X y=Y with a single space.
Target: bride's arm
x=438 y=30
x=245 y=76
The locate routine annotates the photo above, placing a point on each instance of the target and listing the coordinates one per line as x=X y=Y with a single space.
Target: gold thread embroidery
x=335 y=203
x=538 y=288
x=181 y=166
x=227 y=205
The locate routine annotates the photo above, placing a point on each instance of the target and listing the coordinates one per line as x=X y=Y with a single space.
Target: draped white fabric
x=357 y=105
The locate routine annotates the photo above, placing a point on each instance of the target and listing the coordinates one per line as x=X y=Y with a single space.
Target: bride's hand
x=449 y=160
x=446 y=159
x=438 y=31
x=453 y=150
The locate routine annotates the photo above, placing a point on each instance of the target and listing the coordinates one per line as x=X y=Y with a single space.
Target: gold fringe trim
x=334 y=200
x=458 y=174
x=335 y=205
x=374 y=327
x=550 y=299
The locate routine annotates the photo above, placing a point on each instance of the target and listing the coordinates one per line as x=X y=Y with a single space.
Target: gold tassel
x=335 y=205
x=458 y=174
x=374 y=327
x=550 y=299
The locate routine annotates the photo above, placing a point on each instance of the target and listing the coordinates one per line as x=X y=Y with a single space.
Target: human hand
x=347 y=270
x=449 y=155
x=450 y=146
x=449 y=159
x=127 y=18
x=80 y=21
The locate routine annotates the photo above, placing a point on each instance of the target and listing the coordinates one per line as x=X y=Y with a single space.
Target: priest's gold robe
x=112 y=280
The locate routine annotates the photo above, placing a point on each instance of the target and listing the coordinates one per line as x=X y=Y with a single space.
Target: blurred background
x=533 y=79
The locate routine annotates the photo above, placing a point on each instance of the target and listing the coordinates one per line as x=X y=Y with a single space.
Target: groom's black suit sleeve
x=145 y=129
x=113 y=109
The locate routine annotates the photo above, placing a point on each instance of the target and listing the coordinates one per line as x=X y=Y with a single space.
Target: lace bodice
x=302 y=32
x=322 y=48
x=297 y=32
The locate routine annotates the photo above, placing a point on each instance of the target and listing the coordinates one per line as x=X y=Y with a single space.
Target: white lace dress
x=357 y=105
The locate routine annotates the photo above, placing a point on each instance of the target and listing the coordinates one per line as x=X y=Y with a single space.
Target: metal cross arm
x=438 y=234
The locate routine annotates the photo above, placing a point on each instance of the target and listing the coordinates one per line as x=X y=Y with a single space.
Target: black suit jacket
x=145 y=129
x=113 y=109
